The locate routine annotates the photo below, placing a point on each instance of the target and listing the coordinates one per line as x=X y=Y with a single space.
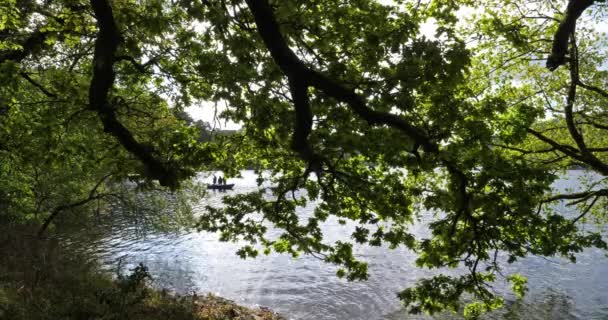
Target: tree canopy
x=382 y=122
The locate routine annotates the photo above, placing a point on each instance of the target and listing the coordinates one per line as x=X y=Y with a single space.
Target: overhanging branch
x=93 y=195
x=33 y=82
x=293 y=67
x=566 y=27
x=301 y=77
x=106 y=45
x=595 y=89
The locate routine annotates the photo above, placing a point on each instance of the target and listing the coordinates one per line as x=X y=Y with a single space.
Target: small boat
x=220 y=186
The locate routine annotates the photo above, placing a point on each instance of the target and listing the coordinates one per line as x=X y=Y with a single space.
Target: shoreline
x=212 y=306
x=40 y=279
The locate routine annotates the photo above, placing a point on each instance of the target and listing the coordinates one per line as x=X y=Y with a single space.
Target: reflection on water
x=306 y=288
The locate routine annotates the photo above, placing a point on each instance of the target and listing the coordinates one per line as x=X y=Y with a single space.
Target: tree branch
x=106 y=46
x=571 y=98
x=31 y=45
x=92 y=196
x=523 y=151
x=303 y=125
x=293 y=67
x=578 y=197
x=303 y=76
x=37 y=85
x=595 y=89
x=143 y=68
x=566 y=27
x=586 y=210
x=566 y=149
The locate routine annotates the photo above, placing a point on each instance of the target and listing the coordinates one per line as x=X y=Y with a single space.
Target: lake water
x=306 y=288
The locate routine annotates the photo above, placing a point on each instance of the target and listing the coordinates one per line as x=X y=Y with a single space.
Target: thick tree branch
x=587 y=156
x=574 y=132
x=293 y=67
x=303 y=76
x=566 y=28
x=106 y=46
x=303 y=125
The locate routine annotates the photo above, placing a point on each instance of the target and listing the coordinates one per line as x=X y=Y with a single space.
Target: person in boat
x=214 y=179
x=224 y=181
x=219 y=180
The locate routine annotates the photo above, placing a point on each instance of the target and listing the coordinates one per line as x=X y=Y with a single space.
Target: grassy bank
x=39 y=279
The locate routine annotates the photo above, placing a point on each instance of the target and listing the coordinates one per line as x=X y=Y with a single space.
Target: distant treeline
x=208 y=132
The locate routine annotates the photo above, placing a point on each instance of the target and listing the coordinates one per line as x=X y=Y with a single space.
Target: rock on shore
x=214 y=307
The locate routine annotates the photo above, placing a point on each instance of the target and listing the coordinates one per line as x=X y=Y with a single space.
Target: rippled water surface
x=306 y=288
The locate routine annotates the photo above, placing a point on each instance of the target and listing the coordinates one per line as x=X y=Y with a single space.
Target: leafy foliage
x=380 y=123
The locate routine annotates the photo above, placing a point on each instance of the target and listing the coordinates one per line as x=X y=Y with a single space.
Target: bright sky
x=207 y=112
